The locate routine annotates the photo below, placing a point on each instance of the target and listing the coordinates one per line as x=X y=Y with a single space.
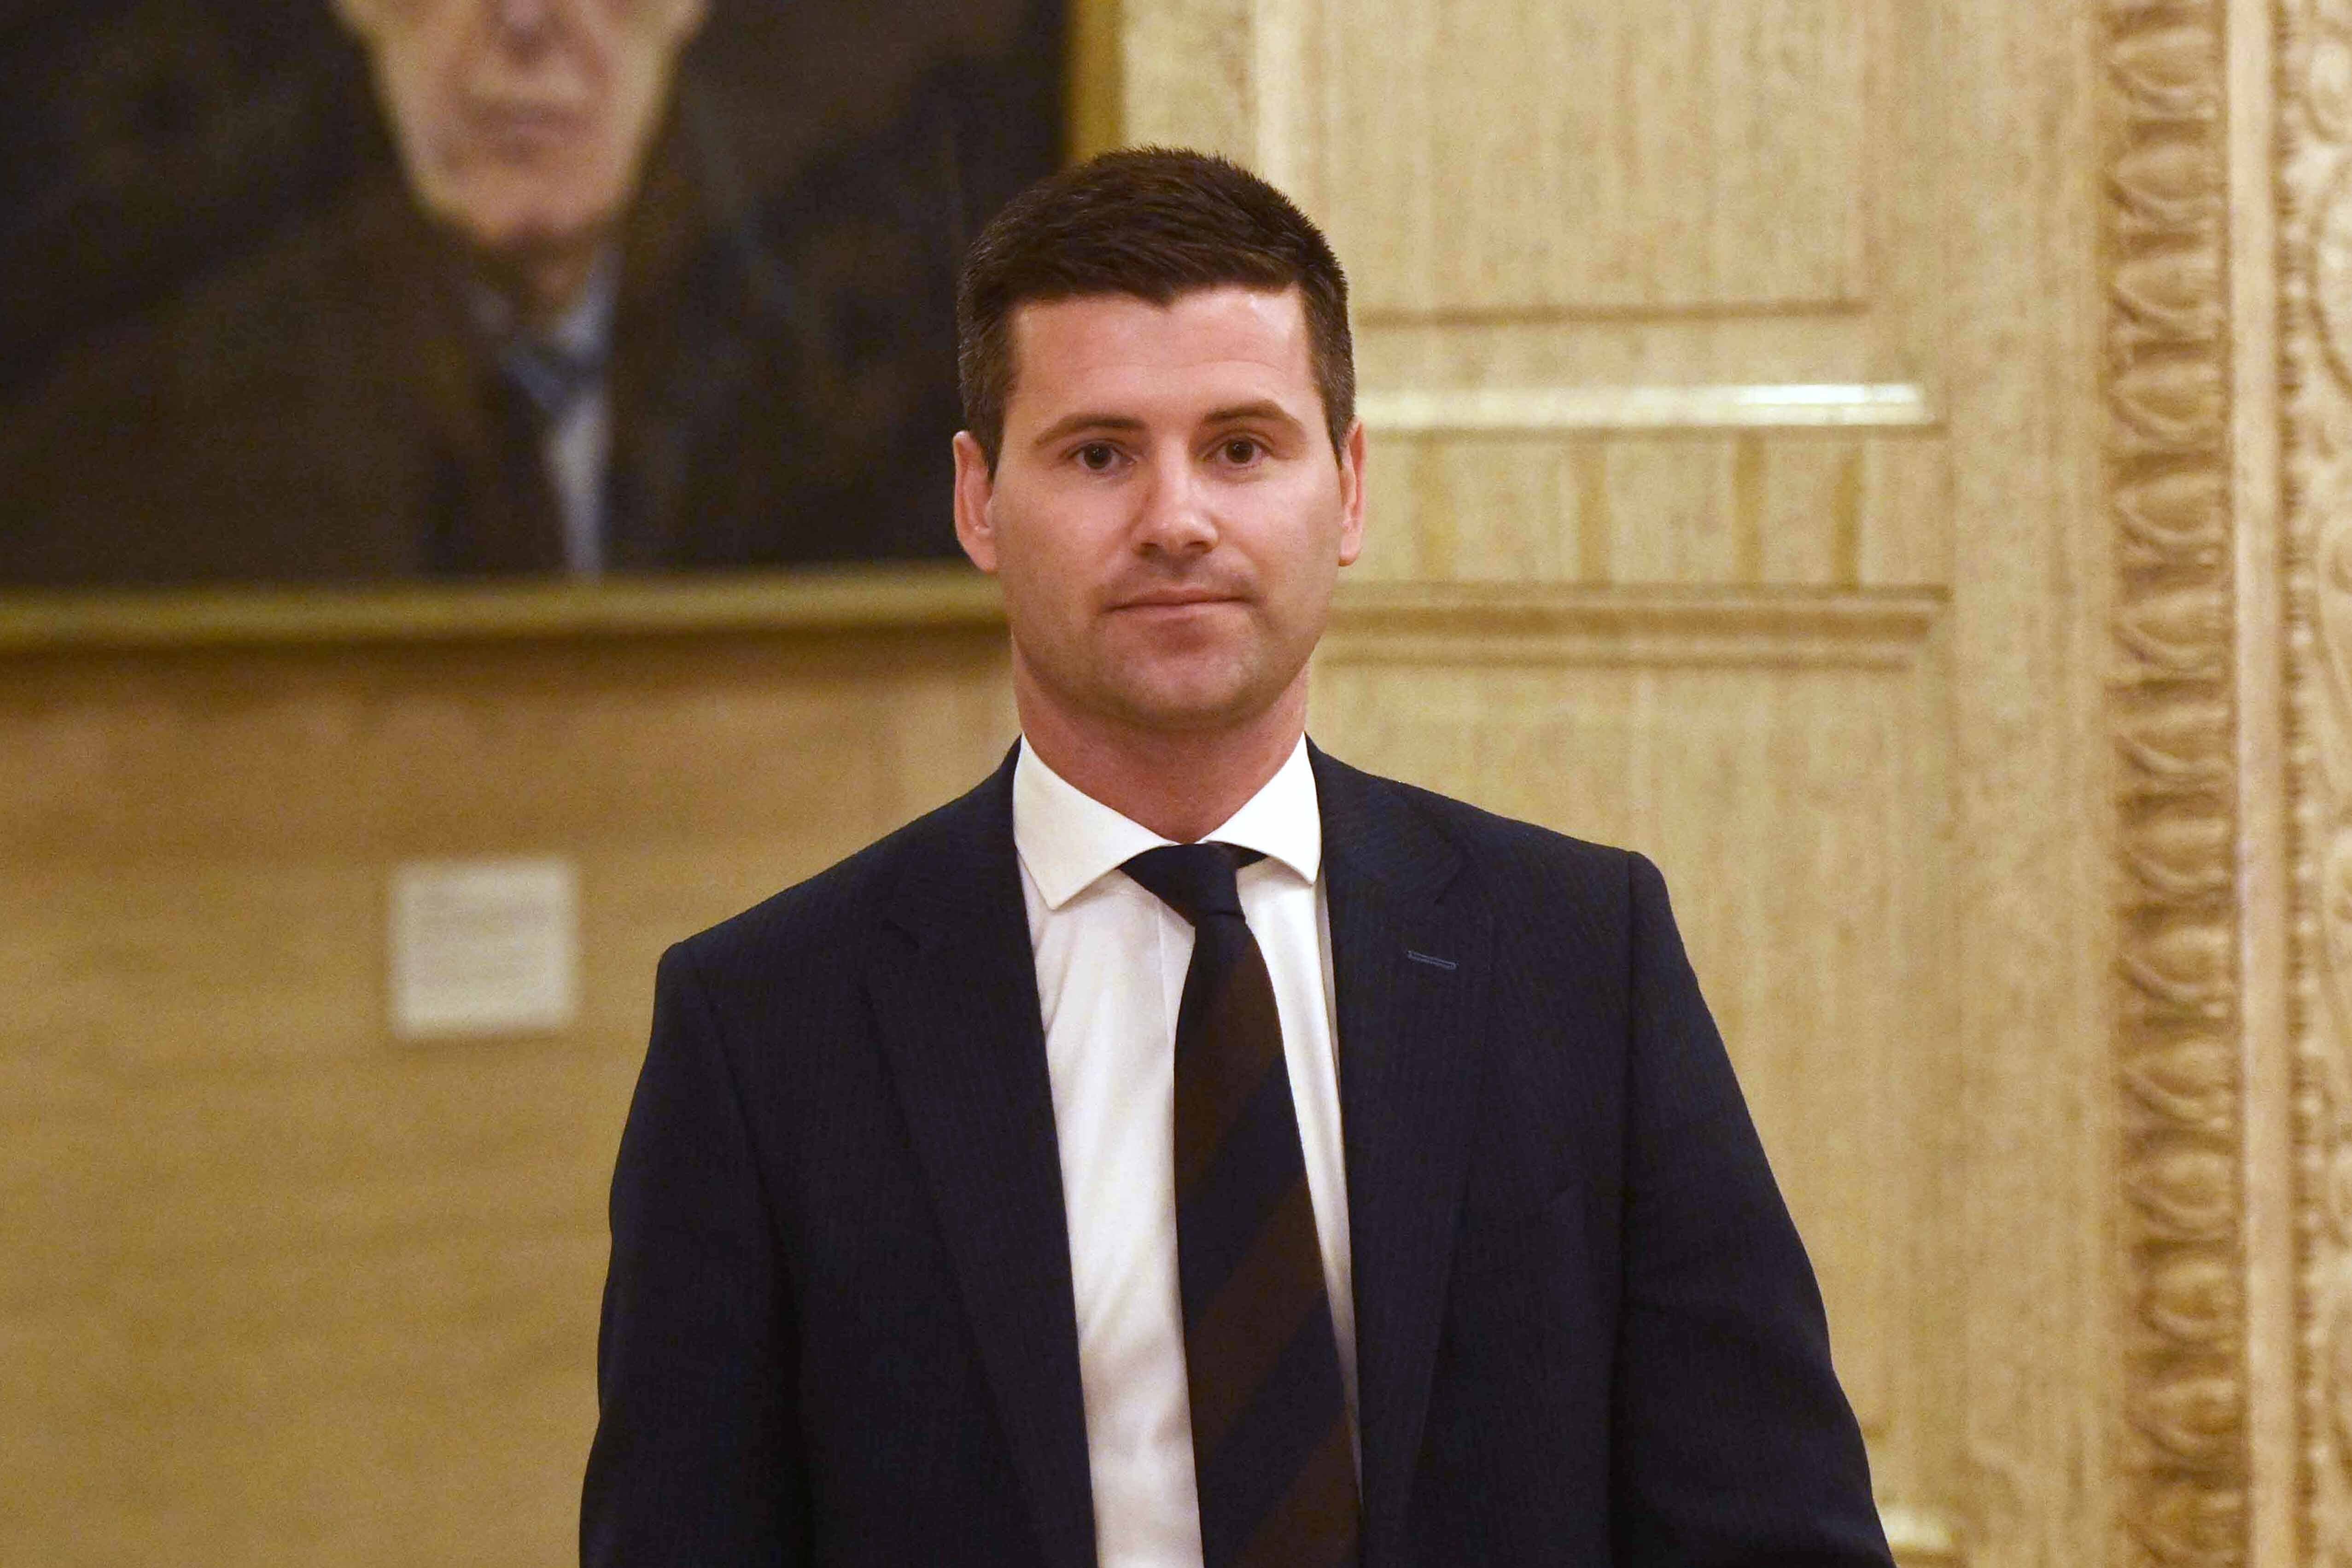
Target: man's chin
x=524 y=228
x=1193 y=707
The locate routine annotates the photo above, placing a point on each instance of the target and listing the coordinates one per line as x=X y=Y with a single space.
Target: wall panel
x=1752 y=507
x=279 y=1288
x=1530 y=157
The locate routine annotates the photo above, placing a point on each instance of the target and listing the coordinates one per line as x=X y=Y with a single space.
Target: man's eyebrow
x=1075 y=422
x=1264 y=409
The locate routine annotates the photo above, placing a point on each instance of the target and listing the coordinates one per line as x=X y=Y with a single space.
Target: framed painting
x=372 y=314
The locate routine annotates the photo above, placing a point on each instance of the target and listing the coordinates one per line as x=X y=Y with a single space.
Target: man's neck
x=545 y=284
x=1181 y=785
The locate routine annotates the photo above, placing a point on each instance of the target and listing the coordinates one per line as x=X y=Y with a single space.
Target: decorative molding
x=2264 y=881
x=1371 y=622
x=928 y=597
x=2314 y=195
x=2182 y=1465
x=1097 y=78
x=1507 y=623
x=1475 y=411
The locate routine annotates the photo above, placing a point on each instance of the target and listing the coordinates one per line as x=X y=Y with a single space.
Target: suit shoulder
x=1491 y=842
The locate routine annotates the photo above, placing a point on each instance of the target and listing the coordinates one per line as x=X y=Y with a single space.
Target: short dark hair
x=1155 y=223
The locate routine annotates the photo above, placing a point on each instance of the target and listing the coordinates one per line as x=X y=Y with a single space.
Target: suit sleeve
x=1734 y=1443
x=696 y=1459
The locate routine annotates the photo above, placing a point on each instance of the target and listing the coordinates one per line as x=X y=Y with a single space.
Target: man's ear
x=1351 y=495
x=975 y=488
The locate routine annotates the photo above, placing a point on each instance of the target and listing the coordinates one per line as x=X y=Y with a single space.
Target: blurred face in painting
x=522 y=123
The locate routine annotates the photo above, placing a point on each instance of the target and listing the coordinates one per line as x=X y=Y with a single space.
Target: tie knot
x=1196 y=880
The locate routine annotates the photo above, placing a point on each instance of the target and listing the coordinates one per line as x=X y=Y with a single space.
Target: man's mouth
x=1173 y=599
x=521 y=129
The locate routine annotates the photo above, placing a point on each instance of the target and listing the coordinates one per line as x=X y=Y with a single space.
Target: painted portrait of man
x=607 y=288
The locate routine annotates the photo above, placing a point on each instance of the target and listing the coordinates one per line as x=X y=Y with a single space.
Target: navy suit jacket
x=838 y=1327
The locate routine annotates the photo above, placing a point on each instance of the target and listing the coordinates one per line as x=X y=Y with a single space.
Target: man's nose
x=1177 y=516
x=524 y=20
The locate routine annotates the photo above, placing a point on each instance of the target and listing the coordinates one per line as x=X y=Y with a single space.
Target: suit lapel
x=956 y=1001
x=1409 y=945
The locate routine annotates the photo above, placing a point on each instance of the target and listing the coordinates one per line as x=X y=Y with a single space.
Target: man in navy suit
x=1186 y=1149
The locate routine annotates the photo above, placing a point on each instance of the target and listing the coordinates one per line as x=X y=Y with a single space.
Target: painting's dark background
x=206 y=327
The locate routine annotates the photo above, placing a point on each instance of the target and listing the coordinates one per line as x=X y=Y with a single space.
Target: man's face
x=1167 y=517
x=521 y=122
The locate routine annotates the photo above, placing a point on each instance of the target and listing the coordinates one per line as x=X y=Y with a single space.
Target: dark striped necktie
x=1270 y=1441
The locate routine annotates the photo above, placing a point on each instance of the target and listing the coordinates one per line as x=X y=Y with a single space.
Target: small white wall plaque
x=484 y=947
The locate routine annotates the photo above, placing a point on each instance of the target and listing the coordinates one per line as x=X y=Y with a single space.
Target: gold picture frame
x=912 y=595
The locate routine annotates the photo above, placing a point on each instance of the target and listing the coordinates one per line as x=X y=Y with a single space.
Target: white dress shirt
x=1110 y=973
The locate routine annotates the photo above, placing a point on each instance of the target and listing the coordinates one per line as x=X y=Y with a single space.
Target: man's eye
x=1097 y=457
x=1241 y=450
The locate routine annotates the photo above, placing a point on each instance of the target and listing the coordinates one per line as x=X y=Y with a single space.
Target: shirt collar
x=584 y=330
x=1069 y=840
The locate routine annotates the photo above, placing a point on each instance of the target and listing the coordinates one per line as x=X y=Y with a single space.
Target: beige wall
x=274 y=1286
x=1837 y=446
